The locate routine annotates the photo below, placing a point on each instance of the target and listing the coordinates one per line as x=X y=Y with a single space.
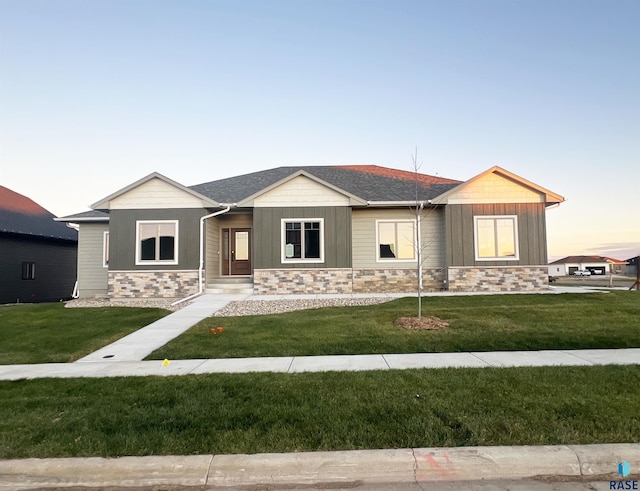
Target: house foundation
x=396 y=280
x=152 y=284
x=302 y=281
x=344 y=281
x=498 y=279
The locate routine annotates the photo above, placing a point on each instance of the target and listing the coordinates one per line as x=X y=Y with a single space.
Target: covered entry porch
x=229 y=252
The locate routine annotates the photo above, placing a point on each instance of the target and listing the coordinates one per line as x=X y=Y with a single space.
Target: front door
x=236 y=251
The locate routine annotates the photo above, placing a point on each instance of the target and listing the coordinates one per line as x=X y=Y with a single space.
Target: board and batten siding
x=267 y=239
x=92 y=273
x=365 y=242
x=155 y=194
x=532 y=236
x=123 y=244
x=302 y=191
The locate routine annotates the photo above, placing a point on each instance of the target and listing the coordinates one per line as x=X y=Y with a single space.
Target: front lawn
x=268 y=412
x=477 y=323
x=46 y=333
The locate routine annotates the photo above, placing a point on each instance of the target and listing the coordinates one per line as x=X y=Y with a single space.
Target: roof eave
x=81 y=219
x=388 y=204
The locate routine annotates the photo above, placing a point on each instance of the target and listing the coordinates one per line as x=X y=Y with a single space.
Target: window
x=303 y=240
x=396 y=240
x=496 y=238
x=105 y=250
x=157 y=242
x=28 y=271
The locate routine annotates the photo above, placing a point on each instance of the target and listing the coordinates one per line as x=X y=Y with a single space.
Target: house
x=632 y=265
x=595 y=264
x=38 y=256
x=323 y=229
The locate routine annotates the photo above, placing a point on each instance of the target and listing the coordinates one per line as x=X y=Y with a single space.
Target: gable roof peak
x=104 y=203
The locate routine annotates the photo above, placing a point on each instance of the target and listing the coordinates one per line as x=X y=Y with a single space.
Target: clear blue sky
x=97 y=94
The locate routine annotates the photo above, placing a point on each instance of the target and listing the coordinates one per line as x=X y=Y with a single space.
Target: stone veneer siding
x=396 y=280
x=343 y=281
x=301 y=281
x=152 y=284
x=498 y=278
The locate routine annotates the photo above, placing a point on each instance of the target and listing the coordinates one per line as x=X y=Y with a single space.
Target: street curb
x=313 y=468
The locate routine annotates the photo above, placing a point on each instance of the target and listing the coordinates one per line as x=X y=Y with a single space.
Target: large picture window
x=303 y=240
x=157 y=242
x=396 y=240
x=496 y=238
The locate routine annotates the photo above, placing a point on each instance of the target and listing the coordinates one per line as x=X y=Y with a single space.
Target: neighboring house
x=325 y=229
x=38 y=256
x=596 y=264
x=632 y=266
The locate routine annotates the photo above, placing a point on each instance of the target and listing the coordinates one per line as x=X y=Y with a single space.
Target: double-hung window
x=157 y=242
x=303 y=240
x=496 y=237
x=396 y=240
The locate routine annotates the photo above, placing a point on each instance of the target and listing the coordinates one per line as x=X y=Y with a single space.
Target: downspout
x=201 y=266
x=75 y=293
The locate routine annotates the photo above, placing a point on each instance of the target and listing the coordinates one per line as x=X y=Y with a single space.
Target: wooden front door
x=236 y=251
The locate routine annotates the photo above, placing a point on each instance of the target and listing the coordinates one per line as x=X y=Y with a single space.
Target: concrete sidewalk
x=298 y=364
x=335 y=470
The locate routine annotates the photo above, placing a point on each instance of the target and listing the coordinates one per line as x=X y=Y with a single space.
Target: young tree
x=420 y=215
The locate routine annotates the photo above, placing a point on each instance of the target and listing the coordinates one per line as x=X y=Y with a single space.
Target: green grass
x=46 y=333
x=250 y=413
x=478 y=323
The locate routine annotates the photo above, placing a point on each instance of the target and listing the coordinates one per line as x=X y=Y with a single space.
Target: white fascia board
x=82 y=219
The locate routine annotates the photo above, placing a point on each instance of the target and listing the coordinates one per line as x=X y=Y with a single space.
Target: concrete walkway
x=138 y=345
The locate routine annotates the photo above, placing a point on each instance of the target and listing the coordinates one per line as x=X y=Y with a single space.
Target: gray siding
x=55 y=269
x=92 y=275
x=364 y=237
x=532 y=237
x=122 y=228
x=267 y=236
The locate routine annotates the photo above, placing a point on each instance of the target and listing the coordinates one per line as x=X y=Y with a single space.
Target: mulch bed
x=425 y=323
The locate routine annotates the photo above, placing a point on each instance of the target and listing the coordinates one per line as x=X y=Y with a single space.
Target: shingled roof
x=369 y=182
x=23 y=216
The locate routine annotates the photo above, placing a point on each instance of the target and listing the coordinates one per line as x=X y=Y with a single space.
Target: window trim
x=144 y=262
x=391 y=259
x=105 y=249
x=283 y=236
x=476 y=247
